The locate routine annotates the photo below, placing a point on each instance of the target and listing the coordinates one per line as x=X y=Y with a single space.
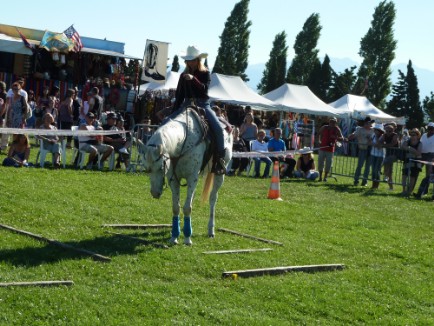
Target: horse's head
x=157 y=164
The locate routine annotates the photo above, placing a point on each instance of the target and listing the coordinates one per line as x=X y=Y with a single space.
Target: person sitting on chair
x=306 y=165
x=51 y=143
x=192 y=89
x=90 y=144
x=117 y=141
x=276 y=144
x=259 y=145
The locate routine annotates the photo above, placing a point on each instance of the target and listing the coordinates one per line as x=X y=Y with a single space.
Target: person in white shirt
x=427 y=151
x=259 y=145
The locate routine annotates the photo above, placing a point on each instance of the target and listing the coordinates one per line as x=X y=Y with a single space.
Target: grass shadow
x=110 y=246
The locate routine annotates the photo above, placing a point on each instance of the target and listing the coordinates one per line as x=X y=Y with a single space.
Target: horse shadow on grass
x=109 y=246
x=347 y=188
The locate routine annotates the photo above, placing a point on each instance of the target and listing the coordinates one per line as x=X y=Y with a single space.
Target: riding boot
x=219 y=164
x=375 y=184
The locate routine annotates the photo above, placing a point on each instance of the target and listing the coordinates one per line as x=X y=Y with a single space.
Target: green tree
x=175 y=64
x=405 y=100
x=306 y=54
x=428 y=106
x=233 y=53
x=377 y=48
x=275 y=69
x=342 y=83
x=397 y=103
x=413 y=111
x=320 y=79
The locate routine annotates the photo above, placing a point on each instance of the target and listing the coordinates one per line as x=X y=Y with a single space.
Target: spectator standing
x=427 y=152
x=51 y=108
x=31 y=122
x=391 y=143
x=3 y=97
x=377 y=154
x=76 y=107
x=259 y=145
x=328 y=134
x=238 y=145
x=95 y=102
x=248 y=130
x=16 y=108
x=66 y=116
x=363 y=135
x=411 y=169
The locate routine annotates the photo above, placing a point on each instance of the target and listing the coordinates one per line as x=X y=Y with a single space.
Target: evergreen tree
x=428 y=106
x=413 y=111
x=397 y=103
x=275 y=69
x=175 y=64
x=306 y=54
x=405 y=99
x=377 y=48
x=232 y=55
x=320 y=80
x=342 y=83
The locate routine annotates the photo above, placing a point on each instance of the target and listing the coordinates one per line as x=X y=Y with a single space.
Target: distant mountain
x=425 y=77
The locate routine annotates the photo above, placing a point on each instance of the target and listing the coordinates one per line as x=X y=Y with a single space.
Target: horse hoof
x=173 y=241
x=188 y=242
x=211 y=235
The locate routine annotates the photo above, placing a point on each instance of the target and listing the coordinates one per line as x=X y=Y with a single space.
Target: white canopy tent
x=300 y=99
x=359 y=107
x=172 y=78
x=233 y=90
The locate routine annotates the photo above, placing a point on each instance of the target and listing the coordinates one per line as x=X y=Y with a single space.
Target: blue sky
x=182 y=23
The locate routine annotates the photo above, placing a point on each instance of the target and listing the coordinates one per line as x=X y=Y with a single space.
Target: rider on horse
x=192 y=89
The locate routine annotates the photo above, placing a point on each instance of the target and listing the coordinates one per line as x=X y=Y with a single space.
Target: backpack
x=26 y=108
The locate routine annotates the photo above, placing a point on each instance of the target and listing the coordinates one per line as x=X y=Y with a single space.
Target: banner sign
x=155 y=61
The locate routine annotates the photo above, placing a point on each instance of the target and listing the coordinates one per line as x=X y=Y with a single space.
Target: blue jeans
x=363 y=157
x=376 y=162
x=213 y=121
x=267 y=162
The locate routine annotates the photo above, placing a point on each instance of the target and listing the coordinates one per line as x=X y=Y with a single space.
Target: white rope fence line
x=46 y=132
x=271 y=154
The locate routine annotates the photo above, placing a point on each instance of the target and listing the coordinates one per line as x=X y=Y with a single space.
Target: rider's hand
x=188 y=77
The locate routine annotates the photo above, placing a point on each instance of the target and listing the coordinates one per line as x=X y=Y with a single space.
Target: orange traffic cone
x=274 y=191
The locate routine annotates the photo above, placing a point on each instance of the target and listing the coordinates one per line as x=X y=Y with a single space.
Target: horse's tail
x=207 y=186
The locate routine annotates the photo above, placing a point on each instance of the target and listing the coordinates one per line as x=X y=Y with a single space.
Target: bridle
x=165 y=168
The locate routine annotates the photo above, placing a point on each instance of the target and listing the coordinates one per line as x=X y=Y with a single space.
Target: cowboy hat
x=305 y=150
x=430 y=125
x=368 y=119
x=193 y=53
x=379 y=126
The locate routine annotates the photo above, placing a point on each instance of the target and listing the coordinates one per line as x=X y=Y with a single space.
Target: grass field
x=384 y=241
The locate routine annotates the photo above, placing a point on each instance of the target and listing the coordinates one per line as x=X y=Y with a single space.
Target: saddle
x=212 y=150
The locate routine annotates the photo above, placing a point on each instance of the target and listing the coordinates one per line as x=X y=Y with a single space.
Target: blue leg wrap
x=176 y=227
x=187 y=227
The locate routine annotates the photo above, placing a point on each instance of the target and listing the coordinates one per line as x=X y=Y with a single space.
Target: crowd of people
x=92 y=108
x=378 y=145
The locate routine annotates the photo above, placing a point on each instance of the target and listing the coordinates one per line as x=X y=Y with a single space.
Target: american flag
x=27 y=44
x=71 y=33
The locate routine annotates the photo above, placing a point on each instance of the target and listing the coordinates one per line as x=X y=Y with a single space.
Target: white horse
x=176 y=151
